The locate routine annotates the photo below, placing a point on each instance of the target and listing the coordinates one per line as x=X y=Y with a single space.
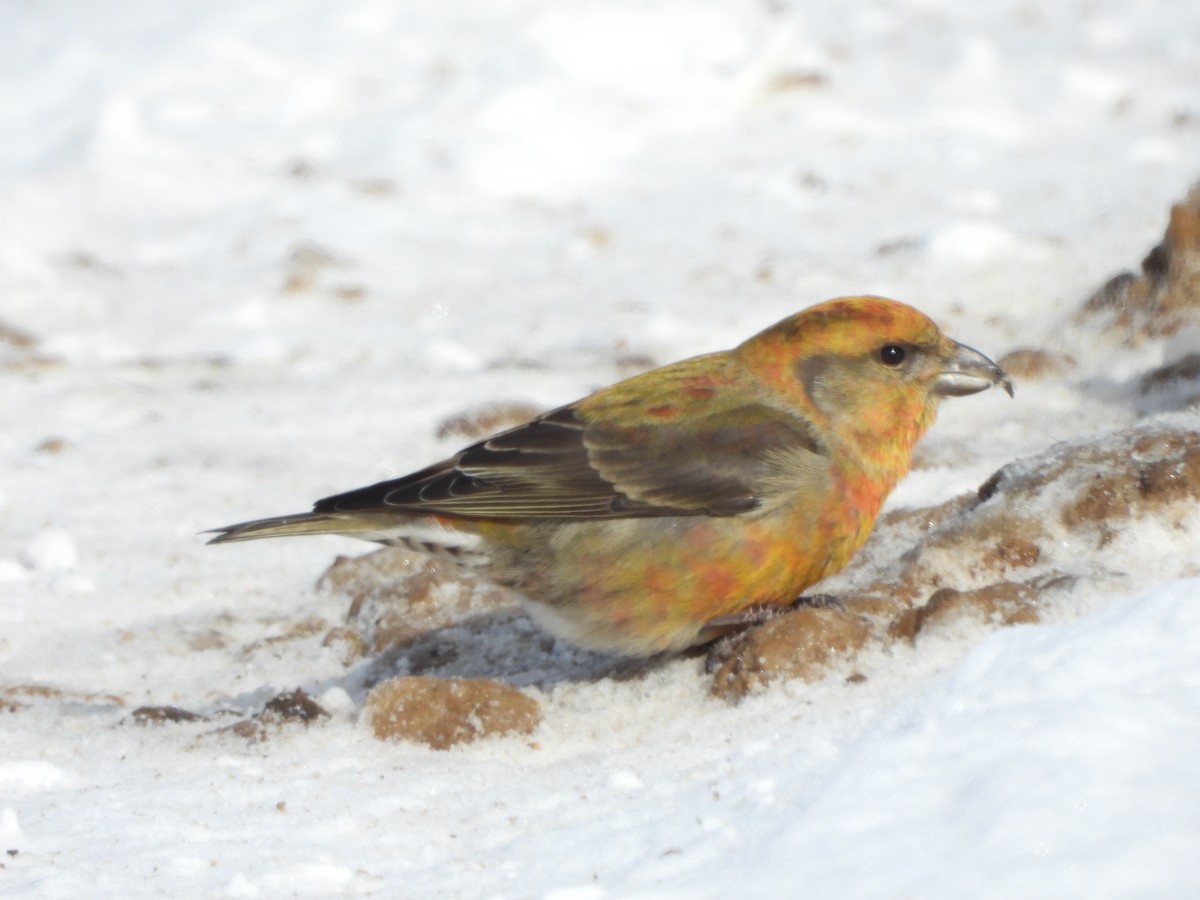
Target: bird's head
x=871 y=370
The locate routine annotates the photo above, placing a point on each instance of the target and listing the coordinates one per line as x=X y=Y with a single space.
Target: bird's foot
x=818 y=601
x=729 y=632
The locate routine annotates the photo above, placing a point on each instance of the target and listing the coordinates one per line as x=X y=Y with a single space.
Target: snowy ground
x=253 y=253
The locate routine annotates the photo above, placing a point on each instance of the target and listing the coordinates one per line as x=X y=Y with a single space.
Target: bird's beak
x=967 y=371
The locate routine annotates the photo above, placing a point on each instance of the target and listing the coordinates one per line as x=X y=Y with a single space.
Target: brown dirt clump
x=1002 y=603
x=293 y=706
x=800 y=644
x=1154 y=477
x=444 y=713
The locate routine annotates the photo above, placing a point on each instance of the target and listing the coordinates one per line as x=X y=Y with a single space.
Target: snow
x=1048 y=762
x=263 y=249
x=50 y=550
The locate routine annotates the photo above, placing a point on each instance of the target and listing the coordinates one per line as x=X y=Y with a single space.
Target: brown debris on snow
x=305 y=264
x=1002 y=603
x=443 y=713
x=347 y=642
x=481 y=421
x=396 y=596
x=1151 y=477
x=1166 y=295
x=1175 y=385
x=1032 y=364
x=295 y=631
x=288 y=708
x=20 y=696
x=1185 y=369
x=1082 y=490
x=292 y=706
x=161 y=715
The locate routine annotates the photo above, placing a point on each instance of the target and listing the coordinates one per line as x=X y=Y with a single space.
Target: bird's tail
x=422 y=534
x=283 y=526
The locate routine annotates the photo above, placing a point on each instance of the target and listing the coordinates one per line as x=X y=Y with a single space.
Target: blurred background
x=470 y=184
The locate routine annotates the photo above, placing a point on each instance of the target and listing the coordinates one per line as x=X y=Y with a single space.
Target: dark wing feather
x=716 y=469
x=559 y=466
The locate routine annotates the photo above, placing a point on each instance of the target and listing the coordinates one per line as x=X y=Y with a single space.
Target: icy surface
x=253 y=253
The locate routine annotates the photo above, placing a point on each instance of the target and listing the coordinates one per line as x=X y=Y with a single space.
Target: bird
x=665 y=510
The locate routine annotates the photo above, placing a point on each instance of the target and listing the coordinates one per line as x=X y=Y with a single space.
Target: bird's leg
x=719 y=626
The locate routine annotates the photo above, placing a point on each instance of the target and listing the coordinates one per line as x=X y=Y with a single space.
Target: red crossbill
x=651 y=514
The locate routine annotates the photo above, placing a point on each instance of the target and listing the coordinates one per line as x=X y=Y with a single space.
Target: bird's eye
x=891 y=354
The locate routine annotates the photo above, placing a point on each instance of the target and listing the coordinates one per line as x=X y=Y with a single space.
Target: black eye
x=891 y=354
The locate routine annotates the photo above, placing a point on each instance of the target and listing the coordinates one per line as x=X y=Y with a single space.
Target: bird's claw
x=730 y=631
x=819 y=601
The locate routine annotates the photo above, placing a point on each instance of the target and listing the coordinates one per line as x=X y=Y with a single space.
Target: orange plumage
x=650 y=514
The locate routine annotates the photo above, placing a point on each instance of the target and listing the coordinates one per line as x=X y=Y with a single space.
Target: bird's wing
x=631 y=453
